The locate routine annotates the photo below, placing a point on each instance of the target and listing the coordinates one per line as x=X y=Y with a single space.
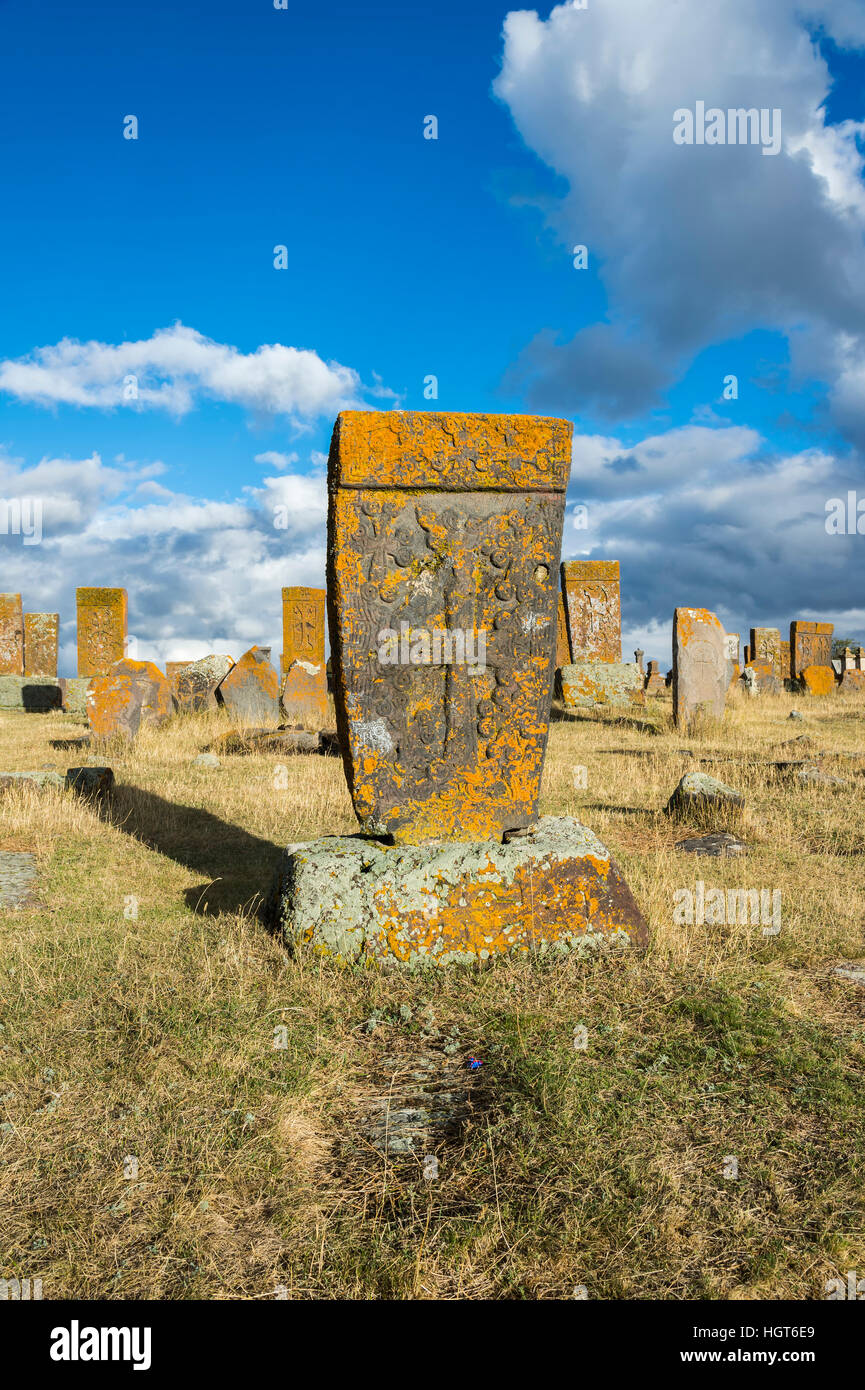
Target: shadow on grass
x=239 y=867
x=603 y=721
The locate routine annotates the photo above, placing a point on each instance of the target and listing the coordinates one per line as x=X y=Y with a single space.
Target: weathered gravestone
x=766 y=650
x=102 y=616
x=40 y=643
x=304 y=686
x=655 y=682
x=700 y=669
x=133 y=693
x=731 y=651
x=594 y=610
x=195 y=685
x=811 y=656
x=11 y=635
x=250 y=691
x=587 y=684
x=786 y=673
x=443 y=541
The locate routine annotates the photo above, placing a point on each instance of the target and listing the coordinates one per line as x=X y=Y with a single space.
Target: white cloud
x=694 y=244
x=176 y=368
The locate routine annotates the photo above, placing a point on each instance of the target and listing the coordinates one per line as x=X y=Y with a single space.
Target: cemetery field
x=188 y=1112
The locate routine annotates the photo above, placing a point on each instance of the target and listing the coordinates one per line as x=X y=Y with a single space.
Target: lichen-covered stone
x=41 y=779
x=11 y=635
x=810 y=645
x=697 y=790
x=73 y=693
x=18 y=878
x=33 y=694
x=563 y=647
x=717 y=845
x=766 y=650
x=302 y=626
x=40 y=643
x=592 y=591
x=818 y=680
x=304 y=692
x=91 y=781
x=194 y=685
x=586 y=684
x=131 y=694
x=246 y=741
x=852 y=681
x=250 y=691
x=102 y=618
x=445 y=524
x=554 y=888
x=701 y=674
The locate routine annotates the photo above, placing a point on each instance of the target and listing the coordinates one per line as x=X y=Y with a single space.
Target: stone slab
x=18 y=877
x=563 y=646
x=132 y=694
x=818 y=680
x=553 y=888
x=304 y=692
x=250 y=691
x=810 y=645
x=701 y=671
x=73 y=693
x=194 y=685
x=40 y=643
x=102 y=620
x=302 y=626
x=592 y=591
x=587 y=684
x=33 y=694
x=11 y=635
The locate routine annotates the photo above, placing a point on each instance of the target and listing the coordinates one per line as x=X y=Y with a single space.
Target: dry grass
x=139 y=998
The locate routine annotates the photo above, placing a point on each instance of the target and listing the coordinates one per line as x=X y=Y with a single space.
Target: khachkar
x=101 y=630
x=702 y=670
x=11 y=635
x=304 y=686
x=444 y=533
x=596 y=674
x=811 y=656
x=40 y=643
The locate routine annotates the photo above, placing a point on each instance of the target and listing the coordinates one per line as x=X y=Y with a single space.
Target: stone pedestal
x=33 y=694
x=554 y=888
x=585 y=684
x=304 y=692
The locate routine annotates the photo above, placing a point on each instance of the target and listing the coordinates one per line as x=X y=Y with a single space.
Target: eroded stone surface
x=563 y=647
x=766 y=650
x=852 y=680
x=40 y=643
x=444 y=524
x=700 y=669
x=44 y=777
x=585 y=684
x=302 y=626
x=11 y=635
x=245 y=741
x=133 y=693
x=94 y=782
x=592 y=591
x=697 y=790
x=250 y=691
x=718 y=845
x=818 y=680
x=554 y=888
x=102 y=618
x=304 y=692
x=18 y=877
x=73 y=693
x=810 y=645
x=194 y=686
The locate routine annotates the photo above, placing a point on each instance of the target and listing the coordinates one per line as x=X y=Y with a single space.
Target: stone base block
x=554 y=888
x=585 y=684
x=852 y=680
x=74 y=692
x=818 y=680
x=34 y=694
x=304 y=692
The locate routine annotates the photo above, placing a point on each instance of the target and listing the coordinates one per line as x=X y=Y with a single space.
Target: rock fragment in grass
x=18 y=874
x=206 y=760
x=851 y=970
x=95 y=782
x=699 y=794
x=40 y=779
x=795 y=714
x=717 y=844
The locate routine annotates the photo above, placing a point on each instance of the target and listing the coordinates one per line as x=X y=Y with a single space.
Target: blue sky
x=407 y=257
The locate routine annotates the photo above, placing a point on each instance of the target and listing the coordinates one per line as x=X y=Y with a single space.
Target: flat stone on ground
x=554 y=888
x=718 y=844
x=851 y=971
x=18 y=875
x=41 y=779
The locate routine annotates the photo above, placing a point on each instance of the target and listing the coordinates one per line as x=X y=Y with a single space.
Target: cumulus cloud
x=712 y=518
x=177 y=367
x=202 y=575
x=694 y=243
